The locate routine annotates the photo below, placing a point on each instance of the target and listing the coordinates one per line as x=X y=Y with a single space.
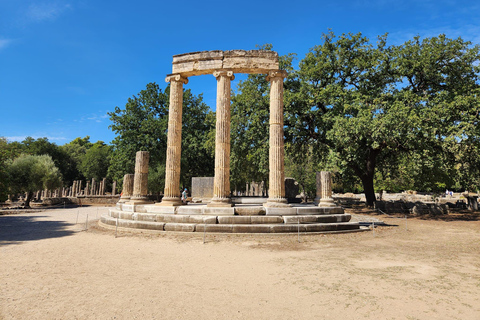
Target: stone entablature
x=238 y=61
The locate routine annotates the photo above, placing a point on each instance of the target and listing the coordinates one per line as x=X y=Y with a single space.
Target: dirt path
x=51 y=269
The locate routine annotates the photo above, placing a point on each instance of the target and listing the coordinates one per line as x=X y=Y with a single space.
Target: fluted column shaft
x=174 y=141
x=127 y=190
x=325 y=190
x=276 y=192
x=140 y=180
x=325 y=184
x=221 y=182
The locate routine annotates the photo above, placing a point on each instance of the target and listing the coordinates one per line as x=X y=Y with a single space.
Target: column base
x=220 y=202
x=276 y=203
x=123 y=199
x=170 y=202
x=142 y=200
x=327 y=202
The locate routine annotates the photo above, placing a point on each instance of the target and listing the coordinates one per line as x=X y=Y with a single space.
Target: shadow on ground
x=15 y=229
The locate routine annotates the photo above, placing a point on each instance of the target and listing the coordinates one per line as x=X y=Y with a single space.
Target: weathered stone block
x=288 y=228
x=202 y=219
x=128 y=207
x=219 y=211
x=114 y=213
x=190 y=210
x=310 y=210
x=343 y=217
x=302 y=219
x=251 y=228
x=150 y=225
x=334 y=210
x=234 y=220
x=320 y=227
x=287 y=211
x=108 y=220
x=161 y=209
x=127 y=224
x=250 y=211
x=223 y=228
x=202 y=187
x=126 y=215
x=146 y=217
x=198 y=56
x=265 y=220
x=181 y=227
x=173 y=218
x=348 y=226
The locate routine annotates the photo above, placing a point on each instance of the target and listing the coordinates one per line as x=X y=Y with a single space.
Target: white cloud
x=5 y=43
x=467 y=32
x=43 y=11
x=96 y=117
x=50 y=138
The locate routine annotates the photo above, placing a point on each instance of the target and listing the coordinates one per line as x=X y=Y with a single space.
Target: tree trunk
x=367 y=174
x=29 y=198
x=369 y=190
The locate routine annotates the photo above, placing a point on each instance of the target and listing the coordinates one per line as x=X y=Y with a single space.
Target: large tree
x=95 y=162
x=75 y=152
x=142 y=126
x=29 y=173
x=370 y=103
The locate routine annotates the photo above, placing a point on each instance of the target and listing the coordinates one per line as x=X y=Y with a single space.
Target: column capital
x=276 y=74
x=176 y=77
x=224 y=73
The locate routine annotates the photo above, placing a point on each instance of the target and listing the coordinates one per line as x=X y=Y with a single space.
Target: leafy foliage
x=371 y=103
x=94 y=163
x=29 y=173
x=143 y=125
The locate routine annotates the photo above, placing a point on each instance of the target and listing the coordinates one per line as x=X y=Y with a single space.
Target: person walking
x=184 y=196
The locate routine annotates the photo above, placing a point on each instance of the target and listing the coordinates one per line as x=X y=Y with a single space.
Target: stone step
x=203 y=219
x=231 y=228
x=240 y=210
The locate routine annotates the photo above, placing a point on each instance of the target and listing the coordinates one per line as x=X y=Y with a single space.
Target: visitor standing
x=184 y=196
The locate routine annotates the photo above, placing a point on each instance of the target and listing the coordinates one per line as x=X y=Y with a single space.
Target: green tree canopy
x=370 y=103
x=143 y=125
x=29 y=173
x=96 y=161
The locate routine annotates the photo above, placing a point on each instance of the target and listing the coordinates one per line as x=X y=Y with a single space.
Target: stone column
x=221 y=182
x=114 y=188
x=171 y=195
x=87 y=188
x=92 y=190
x=276 y=192
x=325 y=189
x=104 y=183
x=127 y=190
x=140 y=181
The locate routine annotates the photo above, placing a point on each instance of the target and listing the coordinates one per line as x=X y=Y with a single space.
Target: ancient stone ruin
x=220 y=214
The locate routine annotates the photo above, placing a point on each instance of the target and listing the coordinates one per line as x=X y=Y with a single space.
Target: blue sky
x=65 y=63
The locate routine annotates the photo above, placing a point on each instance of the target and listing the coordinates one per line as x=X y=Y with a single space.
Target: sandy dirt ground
x=52 y=268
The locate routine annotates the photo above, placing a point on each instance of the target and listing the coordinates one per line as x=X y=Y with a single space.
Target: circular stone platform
x=242 y=218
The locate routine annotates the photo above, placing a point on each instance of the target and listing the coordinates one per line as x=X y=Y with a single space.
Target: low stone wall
x=416 y=208
x=53 y=201
x=86 y=200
